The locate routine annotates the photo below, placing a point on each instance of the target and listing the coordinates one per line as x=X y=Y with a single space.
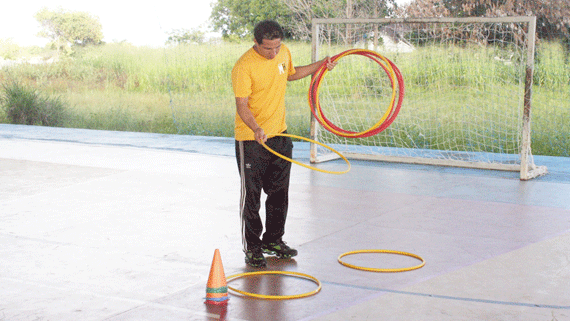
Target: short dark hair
x=267 y=29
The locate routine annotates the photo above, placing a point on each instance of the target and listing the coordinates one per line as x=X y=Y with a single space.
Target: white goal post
x=468 y=91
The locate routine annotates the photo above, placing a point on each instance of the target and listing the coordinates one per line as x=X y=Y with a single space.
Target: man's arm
x=304 y=71
x=247 y=117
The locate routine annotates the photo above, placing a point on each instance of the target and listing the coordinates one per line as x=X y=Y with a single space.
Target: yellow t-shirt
x=263 y=81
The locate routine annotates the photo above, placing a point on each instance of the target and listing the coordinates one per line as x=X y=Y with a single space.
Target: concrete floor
x=100 y=225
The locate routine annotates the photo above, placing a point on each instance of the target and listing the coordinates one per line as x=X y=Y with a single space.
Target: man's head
x=267 y=29
x=268 y=35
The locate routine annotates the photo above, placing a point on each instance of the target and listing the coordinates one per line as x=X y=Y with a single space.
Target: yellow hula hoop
x=275 y=297
x=305 y=165
x=382 y=270
x=392 y=75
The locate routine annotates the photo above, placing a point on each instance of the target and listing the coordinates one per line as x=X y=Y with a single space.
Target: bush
x=25 y=106
x=9 y=50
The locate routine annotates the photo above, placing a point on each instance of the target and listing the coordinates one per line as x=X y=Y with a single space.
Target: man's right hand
x=259 y=135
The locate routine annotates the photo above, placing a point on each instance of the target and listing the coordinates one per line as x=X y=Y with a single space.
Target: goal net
x=467 y=96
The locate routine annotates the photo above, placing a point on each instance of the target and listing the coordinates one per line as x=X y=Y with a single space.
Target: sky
x=141 y=23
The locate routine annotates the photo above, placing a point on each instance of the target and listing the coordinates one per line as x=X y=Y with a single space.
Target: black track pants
x=261 y=170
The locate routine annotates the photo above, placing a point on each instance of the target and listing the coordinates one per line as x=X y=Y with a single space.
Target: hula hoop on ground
x=275 y=297
x=382 y=270
x=305 y=165
x=397 y=83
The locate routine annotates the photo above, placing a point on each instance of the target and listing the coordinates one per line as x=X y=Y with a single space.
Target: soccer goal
x=468 y=86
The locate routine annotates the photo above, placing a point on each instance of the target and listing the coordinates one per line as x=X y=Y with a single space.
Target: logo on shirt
x=282 y=68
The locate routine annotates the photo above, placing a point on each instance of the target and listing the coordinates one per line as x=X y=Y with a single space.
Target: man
x=259 y=79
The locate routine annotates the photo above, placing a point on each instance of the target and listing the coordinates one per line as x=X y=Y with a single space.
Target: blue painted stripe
x=218 y=299
x=447 y=297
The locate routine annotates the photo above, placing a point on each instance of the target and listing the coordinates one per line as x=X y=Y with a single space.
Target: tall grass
x=187 y=89
x=551 y=100
x=26 y=106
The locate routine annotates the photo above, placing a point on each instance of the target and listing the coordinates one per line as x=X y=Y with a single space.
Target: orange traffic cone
x=217 y=288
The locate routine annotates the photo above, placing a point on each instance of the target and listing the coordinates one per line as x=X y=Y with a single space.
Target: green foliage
x=9 y=49
x=552 y=67
x=184 y=36
x=25 y=106
x=186 y=89
x=238 y=17
x=303 y=12
x=552 y=15
x=66 y=28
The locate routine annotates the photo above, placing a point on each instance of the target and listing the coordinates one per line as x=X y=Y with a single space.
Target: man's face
x=268 y=48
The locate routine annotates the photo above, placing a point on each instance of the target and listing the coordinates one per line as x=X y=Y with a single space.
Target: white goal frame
x=525 y=163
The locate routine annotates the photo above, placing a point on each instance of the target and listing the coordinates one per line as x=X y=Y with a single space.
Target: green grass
x=119 y=110
x=27 y=106
x=187 y=89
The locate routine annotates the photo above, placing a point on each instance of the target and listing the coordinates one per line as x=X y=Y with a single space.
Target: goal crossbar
x=528 y=19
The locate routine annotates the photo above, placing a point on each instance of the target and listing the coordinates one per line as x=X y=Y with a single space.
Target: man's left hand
x=330 y=64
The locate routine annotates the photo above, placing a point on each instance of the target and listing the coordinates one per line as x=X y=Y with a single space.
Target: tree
x=306 y=10
x=237 y=18
x=66 y=28
x=553 y=16
x=9 y=49
x=184 y=36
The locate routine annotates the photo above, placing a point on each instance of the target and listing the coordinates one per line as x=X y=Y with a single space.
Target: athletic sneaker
x=255 y=258
x=280 y=249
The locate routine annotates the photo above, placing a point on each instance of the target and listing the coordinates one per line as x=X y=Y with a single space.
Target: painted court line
x=447 y=297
